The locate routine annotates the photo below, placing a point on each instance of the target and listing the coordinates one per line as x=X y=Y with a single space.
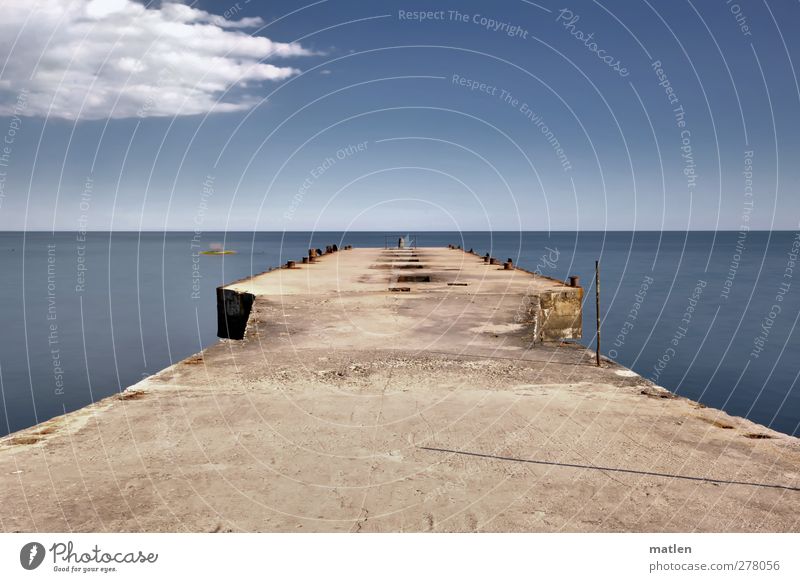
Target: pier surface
x=399 y=390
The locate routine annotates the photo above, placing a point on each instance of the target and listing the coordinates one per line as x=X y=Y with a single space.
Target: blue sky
x=361 y=115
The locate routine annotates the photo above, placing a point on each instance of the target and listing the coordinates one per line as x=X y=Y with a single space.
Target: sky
x=442 y=115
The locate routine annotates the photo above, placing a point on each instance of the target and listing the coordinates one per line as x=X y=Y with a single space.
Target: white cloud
x=116 y=58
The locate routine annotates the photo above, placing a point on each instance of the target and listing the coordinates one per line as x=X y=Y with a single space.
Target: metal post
x=597 y=306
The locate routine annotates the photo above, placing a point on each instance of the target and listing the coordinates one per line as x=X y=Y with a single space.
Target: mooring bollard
x=290 y=264
x=486 y=260
x=507 y=266
x=305 y=260
x=492 y=261
x=574 y=281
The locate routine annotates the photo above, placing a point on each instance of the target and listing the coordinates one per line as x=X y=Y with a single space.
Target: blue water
x=68 y=341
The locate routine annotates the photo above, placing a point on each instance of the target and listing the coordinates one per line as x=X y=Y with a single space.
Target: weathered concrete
x=349 y=407
x=447 y=282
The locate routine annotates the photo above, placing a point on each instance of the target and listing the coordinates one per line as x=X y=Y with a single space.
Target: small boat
x=216 y=249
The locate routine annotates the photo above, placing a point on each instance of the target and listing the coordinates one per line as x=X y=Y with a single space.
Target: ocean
x=710 y=316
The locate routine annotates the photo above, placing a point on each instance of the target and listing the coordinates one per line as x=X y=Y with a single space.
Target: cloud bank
x=118 y=58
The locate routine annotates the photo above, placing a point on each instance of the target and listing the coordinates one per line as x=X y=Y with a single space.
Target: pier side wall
x=556 y=315
x=233 y=311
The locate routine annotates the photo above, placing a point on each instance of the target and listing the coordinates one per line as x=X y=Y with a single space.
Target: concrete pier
x=398 y=390
x=450 y=295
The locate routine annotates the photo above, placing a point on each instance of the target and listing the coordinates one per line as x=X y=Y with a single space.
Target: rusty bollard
x=492 y=261
x=574 y=281
x=506 y=266
x=290 y=264
x=486 y=260
x=305 y=260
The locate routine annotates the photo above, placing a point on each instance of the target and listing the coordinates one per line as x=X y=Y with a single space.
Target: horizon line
x=407 y=231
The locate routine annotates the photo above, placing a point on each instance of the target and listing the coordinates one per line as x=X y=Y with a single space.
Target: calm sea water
x=711 y=316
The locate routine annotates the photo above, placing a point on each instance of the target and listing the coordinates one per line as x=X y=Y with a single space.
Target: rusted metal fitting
x=574 y=281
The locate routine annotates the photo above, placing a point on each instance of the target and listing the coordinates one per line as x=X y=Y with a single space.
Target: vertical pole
x=597 y=306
